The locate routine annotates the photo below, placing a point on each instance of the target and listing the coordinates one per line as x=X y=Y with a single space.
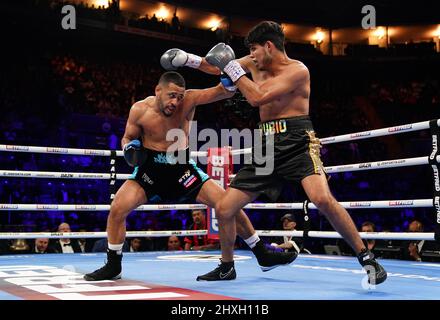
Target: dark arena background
x=70 y=72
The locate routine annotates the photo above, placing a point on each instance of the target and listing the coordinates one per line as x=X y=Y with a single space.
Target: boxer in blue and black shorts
x=164 y=180
x=164 y=172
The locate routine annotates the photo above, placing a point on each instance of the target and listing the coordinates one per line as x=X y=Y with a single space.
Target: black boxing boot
x=224 y=271
x=376 y=273
x=110 y=271
x=269 y=260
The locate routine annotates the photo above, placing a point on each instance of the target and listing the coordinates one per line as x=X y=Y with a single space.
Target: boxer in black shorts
x=164 y=180
x=296 y=156
x=164 y=173
x=280 y=89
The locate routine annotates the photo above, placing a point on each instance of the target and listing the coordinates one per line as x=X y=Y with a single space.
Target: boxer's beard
x=267 y=60
x=163 y=109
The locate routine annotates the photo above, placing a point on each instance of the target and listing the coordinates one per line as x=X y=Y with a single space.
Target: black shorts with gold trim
x=296 y=155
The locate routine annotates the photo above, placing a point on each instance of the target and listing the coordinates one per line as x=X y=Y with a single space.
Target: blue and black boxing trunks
x=167 y=180
x=296 y=155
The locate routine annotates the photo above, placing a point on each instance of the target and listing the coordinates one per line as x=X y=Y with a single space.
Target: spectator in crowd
x=135 y=244
x=175 y=23
x=86 y=244
x=290 y=243
x=412 y=249
x=66 y=245
x=174 y=244
x=200 y=242
x=41 y=245
x=369 y=226
x=153 y=243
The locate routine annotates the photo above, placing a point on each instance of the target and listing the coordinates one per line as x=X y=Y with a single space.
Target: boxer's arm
x=132 y=129
x=273 y=88
x=208 y=68
x=209 y=95
x=245 y=62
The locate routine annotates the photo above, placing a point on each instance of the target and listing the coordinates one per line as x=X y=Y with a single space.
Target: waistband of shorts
x=285 y=125
x=164 y=157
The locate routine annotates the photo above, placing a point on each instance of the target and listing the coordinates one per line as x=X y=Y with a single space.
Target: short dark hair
x=288 y=216
x=266 y=31
x=369 y=223
x=172 y=77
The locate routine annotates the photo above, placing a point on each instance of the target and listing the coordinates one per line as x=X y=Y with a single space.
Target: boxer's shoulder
x=142 y=107
x=296 y=65
x=143 y=104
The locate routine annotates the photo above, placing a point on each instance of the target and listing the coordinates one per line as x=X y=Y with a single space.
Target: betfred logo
x=401 y=203
x=437 y=207
x=17 y=148
x=47 y=206
x=85 y=207
x=360 y=134
x=166 y=206
x=8 y=206
x=56 y=150
x=258 y=205
x=328 y=139
x=283 y=206
x=434 y=147
x=95 y=152
x=360 y=204
x=400 y=128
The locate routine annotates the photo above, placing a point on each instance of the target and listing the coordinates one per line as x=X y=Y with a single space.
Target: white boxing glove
x=176 y=58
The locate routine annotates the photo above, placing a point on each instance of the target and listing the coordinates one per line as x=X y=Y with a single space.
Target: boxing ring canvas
x=171 y=276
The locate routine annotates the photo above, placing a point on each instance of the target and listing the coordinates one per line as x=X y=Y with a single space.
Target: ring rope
x=263 y=233
x=417 y=126
x=364 y=235
x=61 y=175
x=382 y=204
x=99 y=234
x=333 y=169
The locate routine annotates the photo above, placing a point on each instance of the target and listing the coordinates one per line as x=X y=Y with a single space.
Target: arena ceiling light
x=162 y=14
x=103 y=3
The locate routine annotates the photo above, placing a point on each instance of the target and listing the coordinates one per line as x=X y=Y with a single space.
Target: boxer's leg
x=318 y=191
x=129 y=196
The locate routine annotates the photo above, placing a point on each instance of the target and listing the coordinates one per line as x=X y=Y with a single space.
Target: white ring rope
x=378 y=132
x=262 y=233
x=58 y=150
x=95 y=207
x=60 y=175
x=341 y=138
x=100 y=234
x=380 y=164
x=342 y=168
x=364 y=235
x=415 y=203
x=364 y=166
